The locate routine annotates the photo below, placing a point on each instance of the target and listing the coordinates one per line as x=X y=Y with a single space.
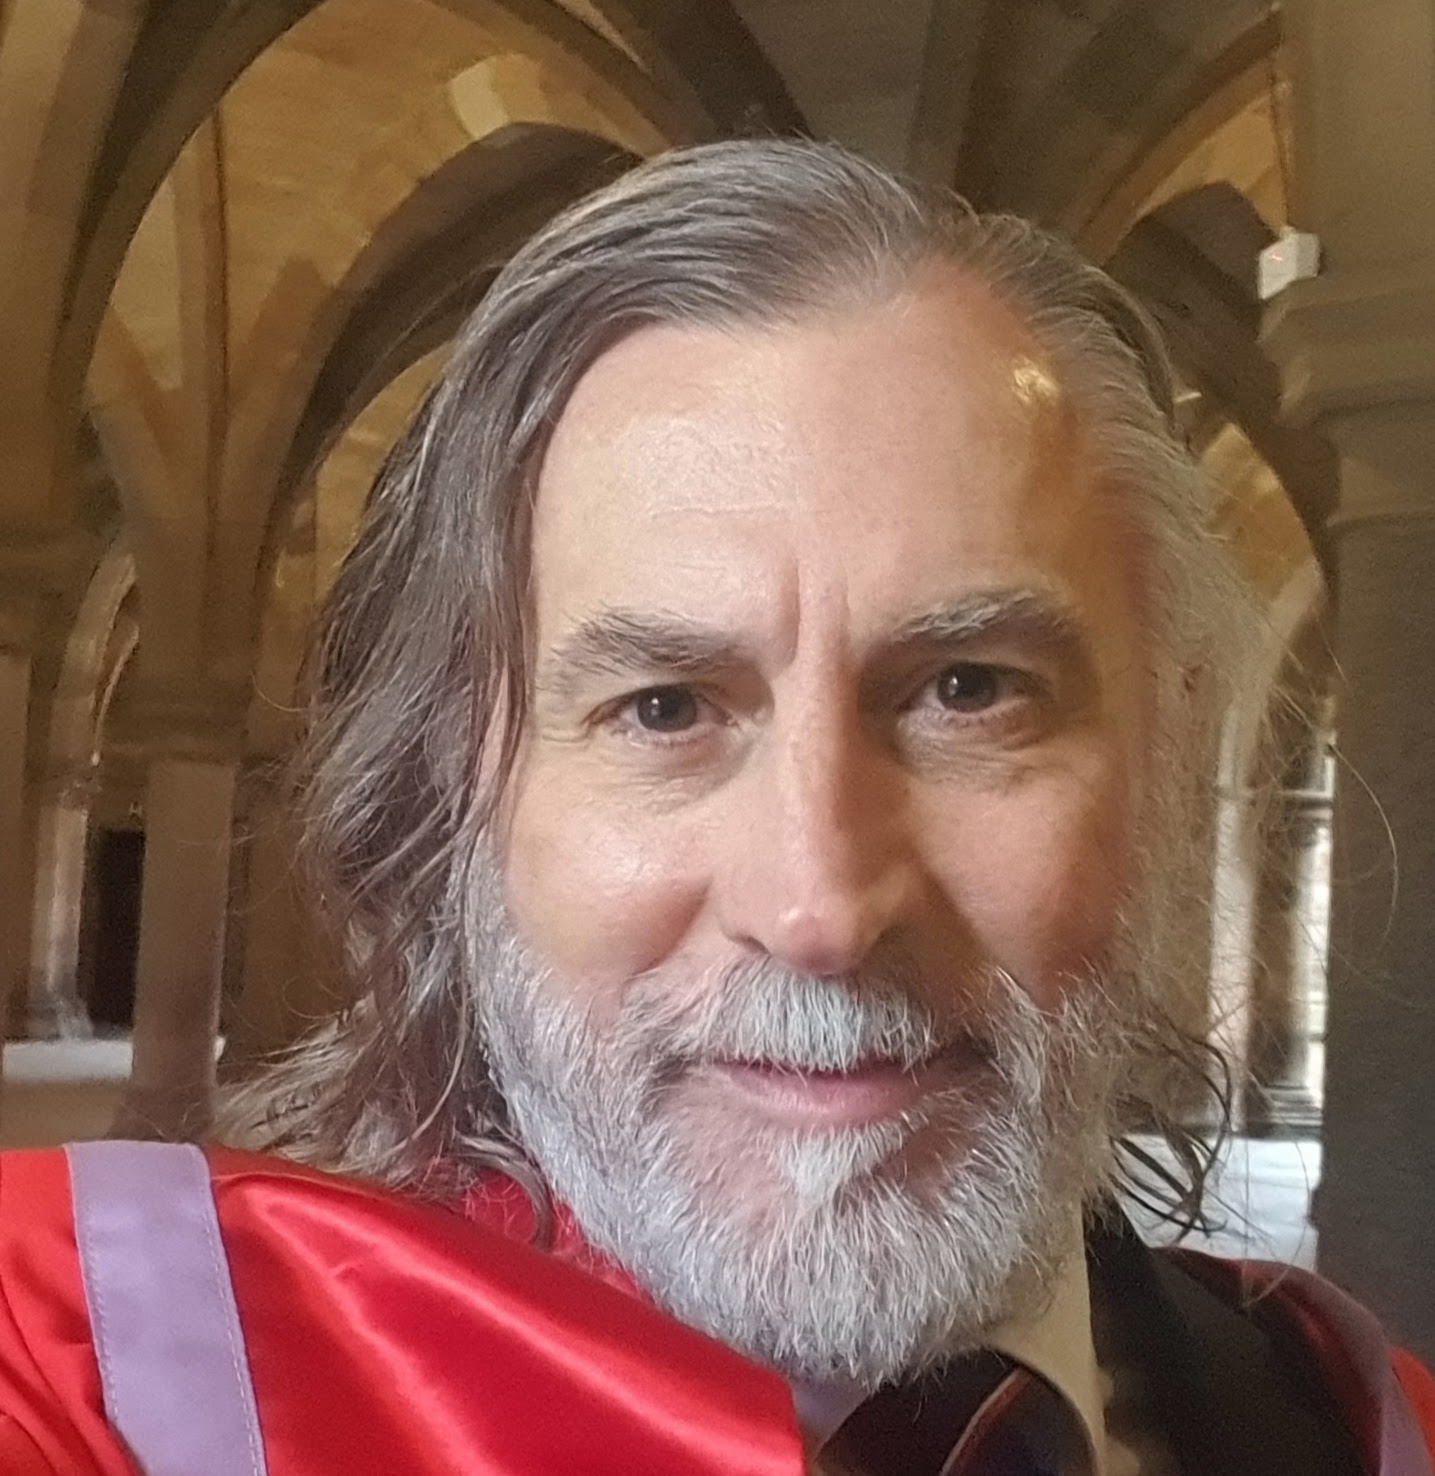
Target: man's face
x=839 y=691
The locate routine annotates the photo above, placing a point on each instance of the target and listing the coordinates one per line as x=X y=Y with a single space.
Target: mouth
x=874 y=1090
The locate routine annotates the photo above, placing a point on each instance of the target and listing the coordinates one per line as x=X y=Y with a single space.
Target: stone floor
x=1260 y=1201
x=57 y=1090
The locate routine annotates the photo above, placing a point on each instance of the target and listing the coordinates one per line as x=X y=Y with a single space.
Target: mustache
x=759 y=1011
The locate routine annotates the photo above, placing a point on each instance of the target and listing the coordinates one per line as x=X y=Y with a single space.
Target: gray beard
x=838 y=1265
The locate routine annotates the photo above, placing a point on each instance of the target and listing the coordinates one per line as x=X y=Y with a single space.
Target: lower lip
x=829 y=1099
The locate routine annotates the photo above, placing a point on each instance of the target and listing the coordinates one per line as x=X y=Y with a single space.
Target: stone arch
x=1069 y=115
x=405 y=295
x=186 y=58
x=1288 y=983
x=1296 y=610
x=122 y=657
x=127 y=414
x=86 y=677
x=60 y=68
x=516 y=104
x=1192 y=262
x=95 y=655
x=702 y=50
x=1255 y=753
x=1210 y=96
x=281 y=974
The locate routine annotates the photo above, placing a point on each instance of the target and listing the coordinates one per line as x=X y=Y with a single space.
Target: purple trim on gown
x=166 y=1329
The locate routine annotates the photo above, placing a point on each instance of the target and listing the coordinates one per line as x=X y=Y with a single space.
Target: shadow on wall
x=110 y=927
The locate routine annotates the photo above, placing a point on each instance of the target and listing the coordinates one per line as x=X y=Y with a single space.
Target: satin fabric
x=388 y=1338
x=395 y=1338
x=1387 y=1396
x=51 y=1413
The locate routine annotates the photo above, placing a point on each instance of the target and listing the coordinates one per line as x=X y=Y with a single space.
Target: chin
x=863 y=1253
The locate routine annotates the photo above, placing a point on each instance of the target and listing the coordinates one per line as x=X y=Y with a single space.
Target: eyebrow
x=617 y=642
x=623 y=642
x=1024 y=616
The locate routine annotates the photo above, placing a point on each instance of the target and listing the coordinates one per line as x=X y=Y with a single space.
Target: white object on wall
x=1292 y=258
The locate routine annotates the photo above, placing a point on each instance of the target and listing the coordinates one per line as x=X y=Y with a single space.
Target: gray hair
x=422 y=665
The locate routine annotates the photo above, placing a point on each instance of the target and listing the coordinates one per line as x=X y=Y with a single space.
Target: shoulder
x=51 y=1407
x=92 y=1232
x=37 y=1178
x=1418 y=1385
x=1386 y=1396
x=37 y=1237
x=1254 y=1367
x=38 y=1254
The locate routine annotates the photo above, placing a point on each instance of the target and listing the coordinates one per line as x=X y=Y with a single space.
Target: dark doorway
x=111 y=926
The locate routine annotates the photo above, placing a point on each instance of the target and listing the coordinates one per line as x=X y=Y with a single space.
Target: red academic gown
x=385 y=1336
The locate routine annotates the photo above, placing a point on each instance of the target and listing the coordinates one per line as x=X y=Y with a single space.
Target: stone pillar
x=14 y=713
x=53 y=1008
x=287 y=981
x=1377 y=1199
x=1278 y=1100
x=1233 y=930
x=1356 y=349
x=183 y=907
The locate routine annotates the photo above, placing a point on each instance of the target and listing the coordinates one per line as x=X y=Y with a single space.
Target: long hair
x=421 y=675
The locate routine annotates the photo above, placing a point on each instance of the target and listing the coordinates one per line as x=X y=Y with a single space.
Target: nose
x=820 y=865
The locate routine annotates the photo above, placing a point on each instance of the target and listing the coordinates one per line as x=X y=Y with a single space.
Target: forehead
x=889 y=457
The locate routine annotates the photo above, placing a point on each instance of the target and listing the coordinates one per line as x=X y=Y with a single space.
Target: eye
x=980 y=700
x=969 y=687
x=673 y=716
x=665 y=709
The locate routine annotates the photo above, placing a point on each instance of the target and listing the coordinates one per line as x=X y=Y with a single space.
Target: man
x=760 y=769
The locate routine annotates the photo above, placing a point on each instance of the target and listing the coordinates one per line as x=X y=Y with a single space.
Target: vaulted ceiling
x=235 y=237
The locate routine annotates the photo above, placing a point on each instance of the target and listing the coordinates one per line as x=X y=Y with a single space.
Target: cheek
x=1037 y=879
x=601 y=891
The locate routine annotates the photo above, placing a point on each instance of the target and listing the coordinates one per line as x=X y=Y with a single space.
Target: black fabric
x=911 y=1429
x=1230 y=1390
x=1235 y=1390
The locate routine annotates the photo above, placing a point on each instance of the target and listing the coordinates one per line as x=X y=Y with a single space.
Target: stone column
x=183 y=907
x=14 y=712
x=1356 y=348
x=53 y=1008
x=1377 y=1201
x=1235 y=873
x=286 y=980
x=1278 y=1101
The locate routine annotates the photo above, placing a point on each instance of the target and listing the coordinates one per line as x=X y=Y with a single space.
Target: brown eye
x=665 y=709
x=969 y=687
